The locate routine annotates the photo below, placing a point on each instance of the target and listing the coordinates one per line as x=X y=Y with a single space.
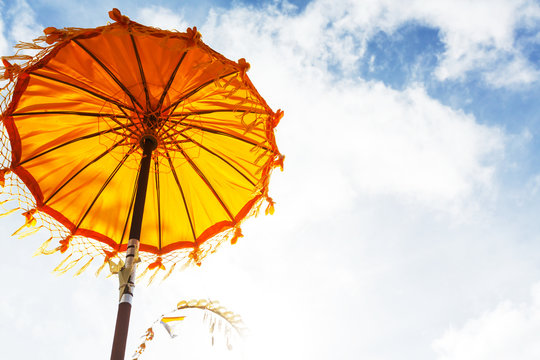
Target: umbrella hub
x=151 y=125
x=149 y=138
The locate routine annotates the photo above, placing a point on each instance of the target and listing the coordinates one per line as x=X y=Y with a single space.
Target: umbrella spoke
x=175 y=175
x=204 y=112
x=194 y=91
x=223 y=133
x=79 y=113
x=102 y=97
x=156 y=175
x=85 y=137
x=205 y=180
x=219 y=157
x=108 y=71
x=139 y=63
x=81 y=170
x=134 y=128
x=130 y=118
x=170 y=132
x=171 y=79
x=107 y=182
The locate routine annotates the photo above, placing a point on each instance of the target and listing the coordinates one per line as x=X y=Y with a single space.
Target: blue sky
x=406 y=217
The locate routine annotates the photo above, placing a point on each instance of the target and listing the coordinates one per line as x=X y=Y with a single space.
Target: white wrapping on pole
x=126 y=275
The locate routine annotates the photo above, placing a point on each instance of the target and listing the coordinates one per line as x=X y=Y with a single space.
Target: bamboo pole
x=127 y=273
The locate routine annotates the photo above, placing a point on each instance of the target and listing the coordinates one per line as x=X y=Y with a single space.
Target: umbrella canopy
x=80 y=111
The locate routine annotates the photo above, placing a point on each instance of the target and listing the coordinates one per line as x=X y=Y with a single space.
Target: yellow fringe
x=56 y=269
x=28 y=46
x=68 y=267
x=98 y=271
x=18 y=57
x=143 y=273
x=153 y=275
x=80 y=271
x=169 y=272
x=29 y=232
x=42 y=249
x=10 y=211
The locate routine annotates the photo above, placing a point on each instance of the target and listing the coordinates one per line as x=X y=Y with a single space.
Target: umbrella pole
x=127 y=274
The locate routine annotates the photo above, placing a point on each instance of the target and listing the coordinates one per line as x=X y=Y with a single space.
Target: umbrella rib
x=175 y=175
x=89 y=136
x=197 y=89
x=107 y=182
x=110 y=73
x=102 y=97
x=205 y=180
x=139 y=63
x=171 y=79
x=80 y=113
x=129 y=117
x=156 y=175
x=219 y=157
x=204 y=112
x=131 y=203
x=81 y=170
x=218 y=132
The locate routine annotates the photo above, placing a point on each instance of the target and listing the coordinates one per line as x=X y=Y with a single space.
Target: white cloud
x=161 y=17
x=23 y=25
x=362 y=136
x=3 y=40
x=336 y=33
x=510 y=331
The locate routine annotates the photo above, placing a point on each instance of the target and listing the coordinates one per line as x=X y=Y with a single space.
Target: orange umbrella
x=103 y=121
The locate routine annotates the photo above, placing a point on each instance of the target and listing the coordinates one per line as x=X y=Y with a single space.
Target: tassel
x=80 y=271
x=169 y=272
x=237 y=234
x=277 y=117
x=101 y=267
x=53 y=35
x=18 y=57
x=29 y=232
x=117 y=16
x=11 y=70
x=244 y=67
x=30 y=222
x=195 y=255
x=270 y=207
x=9 y=212
x=279 y=161
x=64 y=244
x=193 y=37
x=62 y=263
x=152 y=277
x=68 y=267
x=28 y=46
x=42 y=249
x=143 y=273
x=158 y=263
